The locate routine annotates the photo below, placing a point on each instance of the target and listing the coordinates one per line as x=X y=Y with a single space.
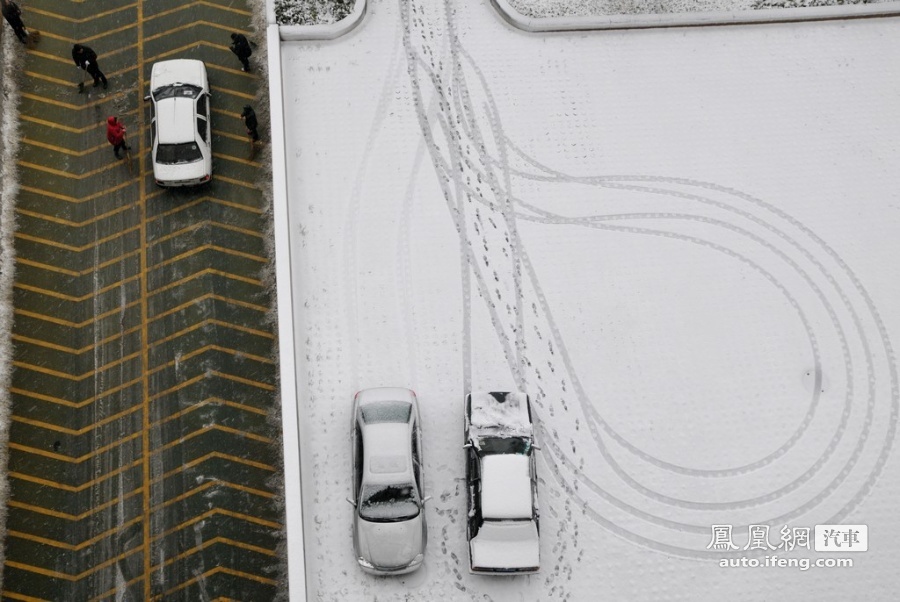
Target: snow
x=681 y=243
x=506 y=486
x=11 y=53
x=580 y=8
x=506 y=545
x=509 y=414
x=311 y=12
x=387 y=445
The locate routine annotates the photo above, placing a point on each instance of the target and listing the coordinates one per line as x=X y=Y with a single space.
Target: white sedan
x=389 y=530
x=181 y=137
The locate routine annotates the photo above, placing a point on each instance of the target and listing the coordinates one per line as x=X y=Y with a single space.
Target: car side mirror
x=148 y=97
x=537 y=447
x=467 y=445
x=351 y=502
x=427 y=497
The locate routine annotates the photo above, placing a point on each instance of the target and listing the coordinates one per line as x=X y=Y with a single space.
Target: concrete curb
x=707 y=19
x=293 y=514
x=295 y=33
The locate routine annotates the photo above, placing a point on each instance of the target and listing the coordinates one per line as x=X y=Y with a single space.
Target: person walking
x=115 y=133
x=248 y=116
x=13 y=15
x=241 y=47
x=86 y=59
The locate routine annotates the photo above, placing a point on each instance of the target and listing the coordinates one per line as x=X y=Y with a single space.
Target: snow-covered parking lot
x=682 y=243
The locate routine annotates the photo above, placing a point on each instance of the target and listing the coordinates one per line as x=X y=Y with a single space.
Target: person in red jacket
x=115 y=133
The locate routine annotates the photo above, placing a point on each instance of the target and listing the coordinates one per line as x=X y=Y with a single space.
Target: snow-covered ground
x=10 y=53
x=682 y=243
x=581 y=8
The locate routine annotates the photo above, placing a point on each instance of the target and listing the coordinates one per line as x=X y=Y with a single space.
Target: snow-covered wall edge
x=697 y=19
x=9 y=188
x=293 y=514
x=330 y=31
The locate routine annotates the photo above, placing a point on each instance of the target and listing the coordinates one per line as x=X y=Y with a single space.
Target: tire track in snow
x=481 y=202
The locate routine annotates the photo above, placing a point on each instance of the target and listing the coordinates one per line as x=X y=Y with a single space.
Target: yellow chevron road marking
x=200 y=225
x=213 y=296
x=76 y=432
x=35 y=451
x=220 y=569
x=213 y=456
x=209 y=485
x=208 y=322
x=74 y=547
x=78 y=249
x=210 y=247
x=211 y=542
x=93 y=17
x=72 y=350
x=73 y=404
x=71 y=578
x=23 y=597
x=71 y=199
x=73 y=224
x=238 y=11
x=211 y=401
x=61 y=322
x=200 y=274
x=113 y=96
x=216 y=427
x=218 y=511
x=72 y=488
x=66 y=174
x=206 y=348
x=191 y=25
x=73 y=517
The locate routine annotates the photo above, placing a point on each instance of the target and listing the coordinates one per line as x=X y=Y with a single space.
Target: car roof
x=184 y=71
x=175 y=120
x=387 y=453
x=506 y=486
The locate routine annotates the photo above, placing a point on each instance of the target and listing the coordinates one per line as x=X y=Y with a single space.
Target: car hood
x=391 y=545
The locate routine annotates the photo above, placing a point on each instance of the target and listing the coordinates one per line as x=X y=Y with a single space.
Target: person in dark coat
x=86 y=58
x=13 y=15
x=115 y=133
x=248 y=116
x=241 y=47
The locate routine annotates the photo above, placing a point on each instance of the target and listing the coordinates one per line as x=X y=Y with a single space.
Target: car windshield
x=171 y=91
x=172 y=154
x=389 y=503
x=386 y=411
x=504 y=445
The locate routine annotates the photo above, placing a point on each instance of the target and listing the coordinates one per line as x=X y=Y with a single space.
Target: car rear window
x=386 y=411
x=173 y=154
x=187 y=90
x=389 y=503
x=504 y=445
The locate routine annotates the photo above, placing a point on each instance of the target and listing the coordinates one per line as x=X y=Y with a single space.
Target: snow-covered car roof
x=506 y=486
x=175 y=120
x=500 y=413
x=387 y=453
